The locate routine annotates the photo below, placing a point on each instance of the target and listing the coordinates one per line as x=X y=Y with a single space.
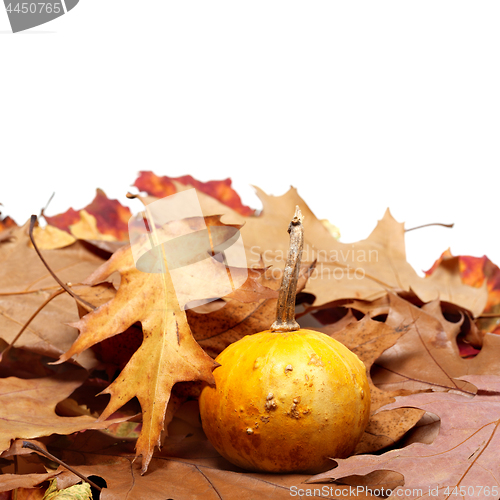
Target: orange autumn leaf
x=473 y=272
x=111 y=216
x=7 y=223
x=165 y=186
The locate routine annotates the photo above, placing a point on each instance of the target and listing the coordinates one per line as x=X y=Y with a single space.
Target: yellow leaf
x=76 y=492
x=168 y=354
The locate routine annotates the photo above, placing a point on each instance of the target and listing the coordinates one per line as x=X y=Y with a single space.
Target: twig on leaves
x=34 y=447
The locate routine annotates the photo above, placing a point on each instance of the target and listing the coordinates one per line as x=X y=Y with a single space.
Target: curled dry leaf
x=463 y=456
x=427 y=356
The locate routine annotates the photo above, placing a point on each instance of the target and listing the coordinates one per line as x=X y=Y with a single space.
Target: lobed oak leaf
x=463 y=458
x=167 y=355
x=365 y=270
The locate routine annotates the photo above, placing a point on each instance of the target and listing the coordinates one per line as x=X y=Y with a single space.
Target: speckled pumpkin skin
x=286 y=402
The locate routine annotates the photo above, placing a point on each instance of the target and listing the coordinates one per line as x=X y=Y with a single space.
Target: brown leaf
x=25 y=284
x=188 y=467
x=168 y=354
x=463 y=456
x=446 y=284
x=27 y=408
x=368 y=339
x=9 y=482
x=427 y=356
x=364 y=270
x=181 y=479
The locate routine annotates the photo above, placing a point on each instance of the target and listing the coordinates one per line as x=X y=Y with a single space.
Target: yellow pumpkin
x=286 y=399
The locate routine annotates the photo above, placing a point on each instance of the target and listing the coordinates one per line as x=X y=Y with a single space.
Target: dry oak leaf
x=86 y=229
x=25 y=284
x=161 y=187
x=463 y=456
x=364 y=270
x=368 y=339
x=27 y=408
x=427 y=356
x=172 y=478
x=195 y=249
x=51 y=237
x=111 y=216
x=168 y=353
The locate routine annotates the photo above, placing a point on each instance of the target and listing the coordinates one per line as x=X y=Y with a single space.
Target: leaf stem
x=430 y=224
x=81 y=301
x=285 y=311
x=33 y=316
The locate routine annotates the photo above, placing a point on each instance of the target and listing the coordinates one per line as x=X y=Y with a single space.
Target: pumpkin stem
x=285 y=312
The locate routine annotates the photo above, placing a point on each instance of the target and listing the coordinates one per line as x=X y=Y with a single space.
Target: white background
x=360 y=105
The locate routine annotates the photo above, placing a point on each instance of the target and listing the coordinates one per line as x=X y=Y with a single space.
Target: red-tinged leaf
x=111 y=216
x=7 y=223
x=165 y=186
x=473 y=272
x=64 y=220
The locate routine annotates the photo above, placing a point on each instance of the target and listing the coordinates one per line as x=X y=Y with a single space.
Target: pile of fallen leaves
x=101 y=367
